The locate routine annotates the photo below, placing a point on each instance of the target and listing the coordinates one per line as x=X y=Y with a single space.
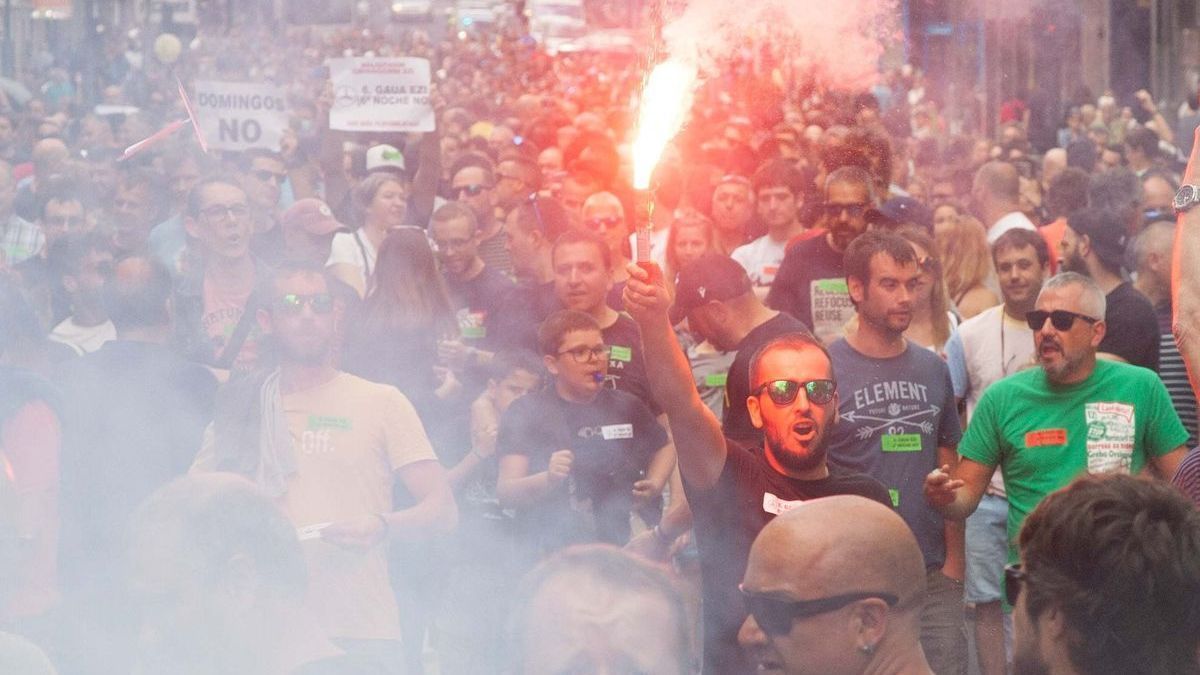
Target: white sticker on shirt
x=777 y=506
x=1111 y=428
x=613 y=432
x=831 y=308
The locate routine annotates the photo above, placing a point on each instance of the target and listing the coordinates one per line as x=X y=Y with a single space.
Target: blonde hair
x=966 y=259
x=939 y=304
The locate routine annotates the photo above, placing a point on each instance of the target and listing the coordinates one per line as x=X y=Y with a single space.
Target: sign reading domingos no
x=241 y=115
x=380 y=94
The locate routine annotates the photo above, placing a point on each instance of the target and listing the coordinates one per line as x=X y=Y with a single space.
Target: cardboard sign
x=241 y=115
x=380 y=94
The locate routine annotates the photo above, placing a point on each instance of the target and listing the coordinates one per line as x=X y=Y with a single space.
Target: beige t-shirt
x=349 y=436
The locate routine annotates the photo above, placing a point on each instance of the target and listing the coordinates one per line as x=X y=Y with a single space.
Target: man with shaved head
x=996 y=196
x=835 y=586
x=604 y=214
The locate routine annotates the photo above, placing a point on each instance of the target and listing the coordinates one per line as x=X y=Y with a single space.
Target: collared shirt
x=20 y=240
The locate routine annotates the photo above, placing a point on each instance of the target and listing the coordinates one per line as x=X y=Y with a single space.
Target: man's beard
x=790 y=460
x=1074 y=263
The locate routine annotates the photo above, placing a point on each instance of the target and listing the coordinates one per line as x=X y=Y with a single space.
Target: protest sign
x=380 y=94
x=241 y=115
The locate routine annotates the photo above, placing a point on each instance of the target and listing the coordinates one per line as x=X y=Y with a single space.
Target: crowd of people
x=372 y=403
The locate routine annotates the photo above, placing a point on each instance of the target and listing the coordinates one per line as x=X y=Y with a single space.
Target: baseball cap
x=312 y=216
x=385 y=157
x=1105 y=230
x=899 y=211
x=711 y=277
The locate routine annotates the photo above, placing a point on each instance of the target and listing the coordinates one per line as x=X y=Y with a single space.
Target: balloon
x=167 y=48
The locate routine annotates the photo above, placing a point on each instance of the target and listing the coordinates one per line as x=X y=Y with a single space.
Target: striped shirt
x=1187 y=477
x=20 y=240
x=1174 y=375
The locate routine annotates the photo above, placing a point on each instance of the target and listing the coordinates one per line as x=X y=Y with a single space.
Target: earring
x=866 y=649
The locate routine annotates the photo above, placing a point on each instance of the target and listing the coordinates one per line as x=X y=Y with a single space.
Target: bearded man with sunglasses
x=1074 y=415
x=735 y=490
x=898 y=422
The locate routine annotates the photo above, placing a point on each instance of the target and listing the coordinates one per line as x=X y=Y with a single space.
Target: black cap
x=1105 y=230
x=712 y=277
x=899 y=211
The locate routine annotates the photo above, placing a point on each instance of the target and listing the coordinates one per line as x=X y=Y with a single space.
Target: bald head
x=603 y=205
x=1152 y=252
x=137 y=294
x=841 y=544
x=48 y=155
x=1053 y=163
x=998 y=181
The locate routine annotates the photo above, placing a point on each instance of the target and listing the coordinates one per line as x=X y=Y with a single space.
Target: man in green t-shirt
x=1045 y=426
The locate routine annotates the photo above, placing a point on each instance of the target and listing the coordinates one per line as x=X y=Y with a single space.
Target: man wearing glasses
x=898 y=421
x=263 y=175
x=213 y=324
x=735 y=490
x=811 y=283
x=1075 y=414
x=1109 y=581
x=577 y=457
x=808 y=614
x=473 y=183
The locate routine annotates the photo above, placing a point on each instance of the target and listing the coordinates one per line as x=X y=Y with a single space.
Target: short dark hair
x=196 y=194
x=791 y=341
x=60 y=189
x=469 y=159
x=455 y=211
x=578 y=236
x=1068 y=192
x=65 y=256
x=506 y=363
x=1120 y=557
x=1118 y=191
x=138 y=300
x=1143 y=139
x=867 y=245
x=851 y=174
x=558 y=324
x=778 y=173
x=1019 y=238
x=544 y=214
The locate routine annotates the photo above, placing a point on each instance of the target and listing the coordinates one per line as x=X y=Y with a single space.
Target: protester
x=473 y=182
x=604 y=214
x=836 y=585
x=933 y=317
x=81 y=263
x=1108 y=580
x=380 y=205
x=995 y=198
x=962 y=248
x=778 y=196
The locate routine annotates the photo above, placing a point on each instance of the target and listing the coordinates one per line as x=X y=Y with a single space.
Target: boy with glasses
x=1075 y=414
x=735 y=490
x=577 y=457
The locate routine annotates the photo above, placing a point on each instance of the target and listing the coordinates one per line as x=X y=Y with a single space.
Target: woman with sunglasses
x=933 y=320
x=380 y=204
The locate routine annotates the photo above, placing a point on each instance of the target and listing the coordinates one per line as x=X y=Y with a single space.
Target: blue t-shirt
x=894 y=414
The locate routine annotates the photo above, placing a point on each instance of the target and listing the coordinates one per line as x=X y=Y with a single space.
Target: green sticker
x=619 y=353
x=326 y=422
x=832 y=285
x=716 y=379
x=895 y=495
x=902 y=443
x=474 y=332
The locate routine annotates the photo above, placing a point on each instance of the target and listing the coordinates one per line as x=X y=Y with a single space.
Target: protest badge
x=240 y=115
x=380 y=94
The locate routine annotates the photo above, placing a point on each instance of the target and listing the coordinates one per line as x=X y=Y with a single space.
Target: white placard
x=241 y=115
x=380 y=94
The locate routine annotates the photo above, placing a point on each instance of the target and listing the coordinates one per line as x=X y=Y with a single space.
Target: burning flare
x=665 y=102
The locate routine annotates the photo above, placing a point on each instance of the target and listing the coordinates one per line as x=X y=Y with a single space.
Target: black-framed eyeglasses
x=602 y=224
x=219 y=211
x=267 y=175
x=1014 y=577
x=775 y=615
x=1061 y=319
x=783 y=392
x=587 y=354
x=472 y=190
x=851 y=210
x=293 y=303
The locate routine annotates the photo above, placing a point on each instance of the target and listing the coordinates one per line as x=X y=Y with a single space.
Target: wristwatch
x=1187 y=197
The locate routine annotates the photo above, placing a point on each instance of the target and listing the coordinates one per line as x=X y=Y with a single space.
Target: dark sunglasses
x=472 y=190
x=603 y=224
x=775 y=616
x=1061 y=319
x=292 y=303
x=852 y=210
x=783 y=392
x=1014 y=576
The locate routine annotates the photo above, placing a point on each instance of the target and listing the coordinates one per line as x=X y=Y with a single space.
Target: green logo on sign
x=895 y=495
x=326 y=422
x=902 y=443
x=619 y=353
x=716 y=379
x=832 y=285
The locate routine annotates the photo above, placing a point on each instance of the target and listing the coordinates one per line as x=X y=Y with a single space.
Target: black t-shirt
x=728 y=516
x=475 y=301
x=1132 y=327
x=805 y=262
x=527 y=305
x=613 y=439
x=736 y=419
x=626 y=363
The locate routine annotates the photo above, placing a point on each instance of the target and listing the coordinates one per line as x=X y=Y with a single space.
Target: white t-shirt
x=761 y=259
x=353 y=248
x=83 y=339
x=1012 y=221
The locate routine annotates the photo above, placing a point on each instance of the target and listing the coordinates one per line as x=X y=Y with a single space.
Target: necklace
x=1004 y=362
